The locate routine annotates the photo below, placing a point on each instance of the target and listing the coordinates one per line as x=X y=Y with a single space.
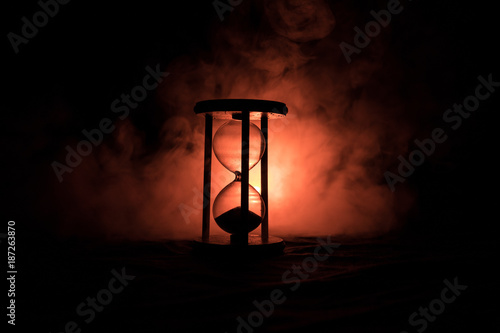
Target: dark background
x=91 y=52
x=88 y=54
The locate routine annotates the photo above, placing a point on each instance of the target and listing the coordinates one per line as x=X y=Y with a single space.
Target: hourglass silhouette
x=238 y=145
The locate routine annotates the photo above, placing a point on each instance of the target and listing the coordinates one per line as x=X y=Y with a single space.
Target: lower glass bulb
x=227 y=208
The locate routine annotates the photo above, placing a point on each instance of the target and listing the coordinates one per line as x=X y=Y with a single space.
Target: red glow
x=327 y=157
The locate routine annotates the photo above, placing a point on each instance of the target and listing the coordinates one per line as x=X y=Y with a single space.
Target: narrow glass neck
x=237 y=176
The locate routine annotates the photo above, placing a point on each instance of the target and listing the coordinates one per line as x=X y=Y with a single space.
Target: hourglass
x=238 y=145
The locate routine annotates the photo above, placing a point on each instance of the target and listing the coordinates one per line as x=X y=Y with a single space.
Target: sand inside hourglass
x=229 y=220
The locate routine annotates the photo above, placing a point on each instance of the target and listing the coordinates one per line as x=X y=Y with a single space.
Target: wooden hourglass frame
x=244 y=110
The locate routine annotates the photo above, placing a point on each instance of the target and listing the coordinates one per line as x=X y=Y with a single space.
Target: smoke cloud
x=347 y=124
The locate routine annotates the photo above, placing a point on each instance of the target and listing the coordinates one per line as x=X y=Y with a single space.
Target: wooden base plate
x=221 y=244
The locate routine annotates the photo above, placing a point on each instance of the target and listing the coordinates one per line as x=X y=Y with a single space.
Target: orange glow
x=326 y=157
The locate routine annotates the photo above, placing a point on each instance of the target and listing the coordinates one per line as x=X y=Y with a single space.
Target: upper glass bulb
x=227 y=145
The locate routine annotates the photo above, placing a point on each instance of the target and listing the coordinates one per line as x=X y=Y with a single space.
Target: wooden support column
x=241 y=238
x=207 y=178
x=264 y=126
